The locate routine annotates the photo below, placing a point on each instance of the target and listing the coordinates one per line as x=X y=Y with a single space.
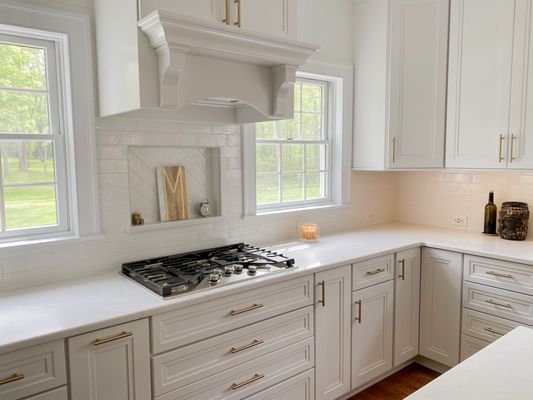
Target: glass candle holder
x=309 y=232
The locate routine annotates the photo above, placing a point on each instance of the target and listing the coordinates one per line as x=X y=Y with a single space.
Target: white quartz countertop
x=37 y=315
x=502 y=370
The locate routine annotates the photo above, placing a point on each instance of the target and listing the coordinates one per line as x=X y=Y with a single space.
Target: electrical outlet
x=460 y=220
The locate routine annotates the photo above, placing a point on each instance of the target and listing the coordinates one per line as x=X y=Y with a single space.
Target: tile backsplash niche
x=119 y=142
x=437 y=198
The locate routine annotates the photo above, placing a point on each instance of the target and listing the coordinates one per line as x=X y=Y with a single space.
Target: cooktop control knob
x=217 y=271
x=237 y=268
x=213 y=279
x=228 y=270
x=252 y=270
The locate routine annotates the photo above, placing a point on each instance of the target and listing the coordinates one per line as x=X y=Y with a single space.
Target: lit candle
x=309 y=232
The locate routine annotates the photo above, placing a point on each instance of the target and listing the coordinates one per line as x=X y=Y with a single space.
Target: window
x=48 y=187
x=293 y=157
x=32 y=149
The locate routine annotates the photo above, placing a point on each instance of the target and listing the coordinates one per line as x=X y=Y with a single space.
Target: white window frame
x=328 y=126
x=340 y=80
x=55 y=77
x=71 y=36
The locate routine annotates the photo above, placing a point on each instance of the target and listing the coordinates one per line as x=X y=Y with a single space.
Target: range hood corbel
x=185 y=45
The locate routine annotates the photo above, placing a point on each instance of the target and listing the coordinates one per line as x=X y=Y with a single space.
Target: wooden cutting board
x=172 y=185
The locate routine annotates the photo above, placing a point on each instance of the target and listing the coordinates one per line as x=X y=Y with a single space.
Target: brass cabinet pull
x=243 y=310
x=498 y=304
x=499 y=275
x=377 y=271
x=323 y=301
x=402 y=274
x=500 y=157
x=227 y=19
x=512 y=157
x=256 y=377
x=393 y=150
x=123 y=335
x=493 y=331
x=12 y=378
x=256 y=342
x=238 y=2
x=359 y=303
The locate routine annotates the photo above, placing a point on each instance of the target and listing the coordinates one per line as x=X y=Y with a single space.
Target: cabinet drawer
x=200 y=360
x=57 y=394
x=500 y=274
x=32 y=370
x=470 y=346
x=301 y=387
x=486 y=327
x=251 y=377
x=501 y=303
x=179 y=328
x=372 y=272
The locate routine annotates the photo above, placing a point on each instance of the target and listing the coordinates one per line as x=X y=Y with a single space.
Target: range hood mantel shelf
x=174 y=38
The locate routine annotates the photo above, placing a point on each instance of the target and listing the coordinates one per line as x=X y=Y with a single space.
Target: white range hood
x=178 y=67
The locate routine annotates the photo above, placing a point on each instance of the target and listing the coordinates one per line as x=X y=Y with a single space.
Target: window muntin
x=33 y=184
x=293 y=157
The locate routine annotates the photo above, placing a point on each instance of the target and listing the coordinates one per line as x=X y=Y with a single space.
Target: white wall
x=435 y=198
x=327 y=23
x=27 y=266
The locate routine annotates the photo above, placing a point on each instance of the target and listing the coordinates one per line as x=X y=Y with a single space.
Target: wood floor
x=399 y=385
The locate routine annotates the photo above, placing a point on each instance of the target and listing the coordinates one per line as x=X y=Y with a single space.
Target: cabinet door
x=521 y=127
x=406 y=305
x=372 y=332
x=332 y=332
x=440 y=305
x=419 y=54
x=275 y=17
x=209 y=10
x=111 y=364
x=481 y=48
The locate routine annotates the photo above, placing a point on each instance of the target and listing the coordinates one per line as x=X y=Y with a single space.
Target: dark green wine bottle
x=490 y=215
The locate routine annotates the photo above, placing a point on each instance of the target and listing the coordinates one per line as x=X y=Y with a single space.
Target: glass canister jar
x=514 y=218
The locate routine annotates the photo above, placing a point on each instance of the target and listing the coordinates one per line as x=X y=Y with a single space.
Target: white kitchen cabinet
x=372 y=326
x=111 y=364
x=57 y=394
x=488 y=113
x=332 y=332
x=470 y=346
x=406 y=305
x=440 y=305
x=274 y=17
x=209 y=10
x=400 y=83
x=301 y=387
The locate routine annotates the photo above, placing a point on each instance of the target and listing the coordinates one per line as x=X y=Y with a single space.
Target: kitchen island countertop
x=40 y=314
x=502 y=370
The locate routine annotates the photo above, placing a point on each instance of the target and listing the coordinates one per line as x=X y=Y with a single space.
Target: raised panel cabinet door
x=111 y=364
x=440 y=305
x=209 y=10
x=419 y=55
x=372 y=326
x=332 y=332
x=274 y=17
x=520 y=154
x=406 y=305
x=479 y=83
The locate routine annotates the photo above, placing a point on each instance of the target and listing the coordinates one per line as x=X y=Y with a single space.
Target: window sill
x=47 y=240
x=324 y=207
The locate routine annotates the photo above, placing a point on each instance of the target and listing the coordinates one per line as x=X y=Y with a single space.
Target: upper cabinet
x=400 y=56
x=489 y=85
x=274 y=17
x=223 y=61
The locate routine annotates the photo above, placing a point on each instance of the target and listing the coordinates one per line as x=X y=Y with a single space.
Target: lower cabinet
x=111 y=364
x=57 y=394
x=406 y=305
x=470 y=346
x=440 y=305
x=332 y=332
x=301 y=387
x=372 y=328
